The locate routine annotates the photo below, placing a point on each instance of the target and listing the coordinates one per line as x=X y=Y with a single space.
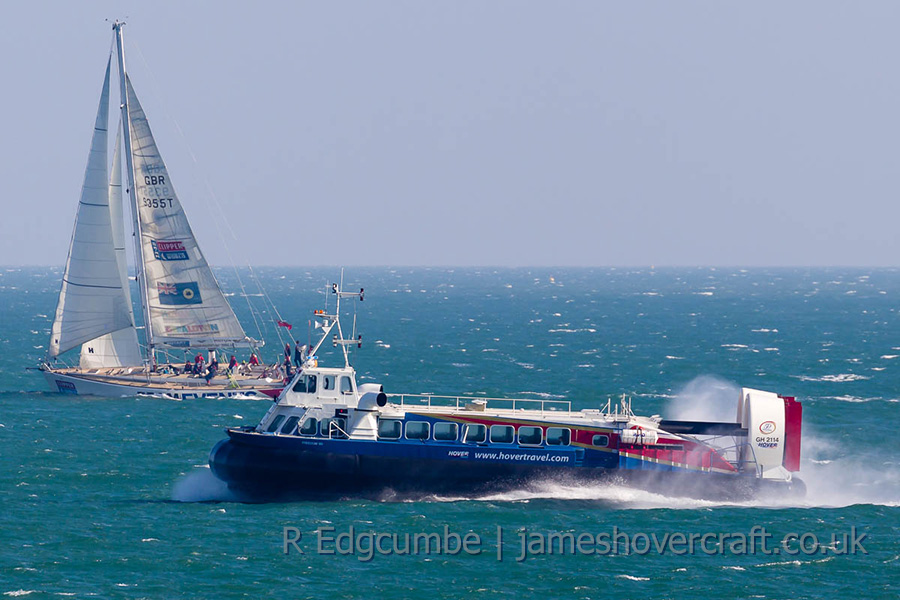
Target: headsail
x=91 y=299
x=119 y=348
x=186 y=305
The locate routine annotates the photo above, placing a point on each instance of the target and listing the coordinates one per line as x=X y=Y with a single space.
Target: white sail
x=186 y=305
x=91 y=299
x=116 y=349
x=119 y=348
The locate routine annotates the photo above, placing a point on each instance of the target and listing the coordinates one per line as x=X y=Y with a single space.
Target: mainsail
x=185 y=304
x=119 y=348
x=92 y=301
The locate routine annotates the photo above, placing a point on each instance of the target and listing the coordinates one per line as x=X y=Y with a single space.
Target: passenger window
x=475 y=433
x=389 y=429
x=289 y=425
x=417 y=430
x=275 y=424
x=446 y=432
x=600 y=440
x=530 y=436
x=503 y=434
x=558 y=436
x=309 y=426
x=346 y=386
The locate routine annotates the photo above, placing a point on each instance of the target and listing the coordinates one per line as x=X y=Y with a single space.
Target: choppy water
x=110 y=496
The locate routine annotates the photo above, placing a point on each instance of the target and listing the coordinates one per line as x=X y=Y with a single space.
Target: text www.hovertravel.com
x=522 y=456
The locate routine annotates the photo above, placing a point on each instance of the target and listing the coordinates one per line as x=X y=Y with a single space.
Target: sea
x=113 y=497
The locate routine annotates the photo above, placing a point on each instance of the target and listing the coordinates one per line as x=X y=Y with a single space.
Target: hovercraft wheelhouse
x=327 y=435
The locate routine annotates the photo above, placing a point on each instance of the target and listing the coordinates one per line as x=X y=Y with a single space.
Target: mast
x=330 y=321
x=132 y=192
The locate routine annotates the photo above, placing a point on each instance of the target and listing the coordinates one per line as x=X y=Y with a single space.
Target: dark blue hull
x=264 y=467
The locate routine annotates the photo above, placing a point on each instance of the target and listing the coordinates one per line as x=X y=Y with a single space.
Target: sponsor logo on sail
x=179 y=293
x=169 y=250
x=192 y=329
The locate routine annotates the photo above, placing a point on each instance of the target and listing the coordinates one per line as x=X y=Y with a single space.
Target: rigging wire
x=215 y=209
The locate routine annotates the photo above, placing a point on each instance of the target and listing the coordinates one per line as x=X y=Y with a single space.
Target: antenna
x=330 y=321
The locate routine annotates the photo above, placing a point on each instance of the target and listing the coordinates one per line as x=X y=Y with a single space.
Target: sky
x=502 y=133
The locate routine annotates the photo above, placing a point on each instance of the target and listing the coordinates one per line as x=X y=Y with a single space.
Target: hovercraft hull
x=265 y=467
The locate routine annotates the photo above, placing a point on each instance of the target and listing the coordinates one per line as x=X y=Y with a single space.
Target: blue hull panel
x=267 y=466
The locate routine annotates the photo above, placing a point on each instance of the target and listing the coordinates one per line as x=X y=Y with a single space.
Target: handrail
x=746 y=462
x=460 y=402
x=333 y=425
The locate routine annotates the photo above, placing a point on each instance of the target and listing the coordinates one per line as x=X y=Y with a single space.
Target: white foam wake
x=200 y=485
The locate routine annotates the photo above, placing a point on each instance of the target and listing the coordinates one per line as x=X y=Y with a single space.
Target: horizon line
x=496 y=266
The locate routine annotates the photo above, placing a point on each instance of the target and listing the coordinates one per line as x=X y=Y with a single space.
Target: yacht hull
x=85 y=384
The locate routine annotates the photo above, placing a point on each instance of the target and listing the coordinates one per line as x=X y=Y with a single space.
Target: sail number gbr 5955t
x=157 y=183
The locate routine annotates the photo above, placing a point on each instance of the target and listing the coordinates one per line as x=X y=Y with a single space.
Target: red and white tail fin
x=773 y=425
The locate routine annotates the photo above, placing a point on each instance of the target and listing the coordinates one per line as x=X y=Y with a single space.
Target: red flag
x=285 y=324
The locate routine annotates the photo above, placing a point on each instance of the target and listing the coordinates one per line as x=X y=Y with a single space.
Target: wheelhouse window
x=475 y=433
x=558 y=436
x=530 y=436
x=309 y=426
x=389 y=429
x=275 y=424
x=289 y=425
x=446 y=432
x=346 y=386
x=305 y=385
x=328 y=382
x=503 y=434
x=601 y=441
x=417 y=430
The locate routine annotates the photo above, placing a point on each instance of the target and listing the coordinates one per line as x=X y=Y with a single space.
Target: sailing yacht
x=182 y=305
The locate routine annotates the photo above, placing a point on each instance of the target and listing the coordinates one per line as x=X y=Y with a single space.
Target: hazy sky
x=476 y=133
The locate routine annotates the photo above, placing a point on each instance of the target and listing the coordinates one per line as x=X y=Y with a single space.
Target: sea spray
x=201 y=485
x=705 y=398
x=835 y=477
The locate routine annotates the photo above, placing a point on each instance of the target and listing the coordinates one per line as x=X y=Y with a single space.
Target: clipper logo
x=172 y=250
x=179 y=293
x=767 y=427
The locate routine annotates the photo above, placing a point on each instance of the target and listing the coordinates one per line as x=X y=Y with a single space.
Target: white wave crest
x=839 y=378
